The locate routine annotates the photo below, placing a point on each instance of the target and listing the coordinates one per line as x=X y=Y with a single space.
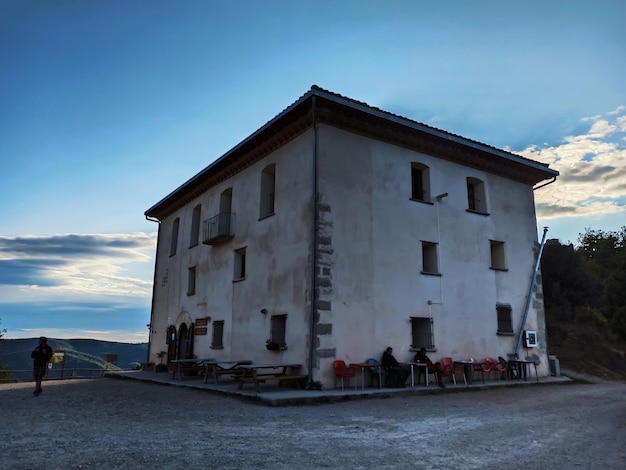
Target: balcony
x=218 y=229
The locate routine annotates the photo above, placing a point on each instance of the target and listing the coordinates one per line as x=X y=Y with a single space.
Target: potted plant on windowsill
x=271 y=345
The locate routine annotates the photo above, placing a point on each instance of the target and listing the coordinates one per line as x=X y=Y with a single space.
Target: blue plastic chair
x=375 y=370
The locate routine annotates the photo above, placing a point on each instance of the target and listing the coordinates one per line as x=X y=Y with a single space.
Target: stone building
x=338 y=229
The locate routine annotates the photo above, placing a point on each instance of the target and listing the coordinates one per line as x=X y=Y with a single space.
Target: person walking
x=41 y=355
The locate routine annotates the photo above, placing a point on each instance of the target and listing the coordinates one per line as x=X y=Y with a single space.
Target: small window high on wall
x=498 y=260
x=268 y=188
x=195 y=226
x=278 y=330
x=174 y=240
x=476 y=196
x=240 y=264
x=191 y=285
x=217 y=340
x=420 y=182
x=430 y=262
x=505 y=322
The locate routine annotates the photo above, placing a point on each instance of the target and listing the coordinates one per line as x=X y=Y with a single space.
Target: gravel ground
x=124 y=424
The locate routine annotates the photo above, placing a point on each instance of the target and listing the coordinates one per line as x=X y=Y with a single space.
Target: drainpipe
x=437 y=201
x=545 y=184
x=314 y=219
x=154 y=280
x=530 y=293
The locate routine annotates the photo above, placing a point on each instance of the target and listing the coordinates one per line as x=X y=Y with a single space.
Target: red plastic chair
x=448 y=367
x=479 y=367
x=343 y=371
x=497 y=367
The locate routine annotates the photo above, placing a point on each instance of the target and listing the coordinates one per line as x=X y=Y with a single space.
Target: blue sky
x=107 y=106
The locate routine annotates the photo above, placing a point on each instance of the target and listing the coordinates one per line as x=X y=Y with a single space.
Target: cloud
x=592 y=168
x=123 y=336
x=77 y=246
x=27 y=272
x=588 y=173
x=618 y=110
x=76 y=268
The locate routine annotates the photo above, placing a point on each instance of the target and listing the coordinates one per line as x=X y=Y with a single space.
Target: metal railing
x=26 y=375
x=219 y=228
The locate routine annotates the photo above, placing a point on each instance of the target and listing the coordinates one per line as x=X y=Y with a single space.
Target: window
x=476 y=199
x=240 y=264
x=278 y=328
x=420 y=182
x=195 y=226
x=225 y=219
x=226 y=201
x=191 y=285
x=220 y=227
x=174 y=240
x=497 y=255
x=430 y=265
x=268 y=188
x=505 y=324
x=217 y=340
x=422 y=333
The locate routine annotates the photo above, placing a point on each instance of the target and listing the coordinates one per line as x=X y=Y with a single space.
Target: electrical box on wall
x=530 y=339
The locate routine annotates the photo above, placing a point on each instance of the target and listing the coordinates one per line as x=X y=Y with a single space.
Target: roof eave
x=156 y=209
x=535 y=172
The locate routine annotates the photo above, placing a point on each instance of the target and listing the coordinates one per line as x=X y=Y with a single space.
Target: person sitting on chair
x=437 y=368
x=396 y=373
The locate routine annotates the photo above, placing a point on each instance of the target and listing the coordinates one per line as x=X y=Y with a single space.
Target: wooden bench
x=250 y=374
x=296 y=381
x=217 y=373
x=189 y=367
x=218 y=368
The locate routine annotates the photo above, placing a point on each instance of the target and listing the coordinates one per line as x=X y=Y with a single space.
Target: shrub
x=588 y=314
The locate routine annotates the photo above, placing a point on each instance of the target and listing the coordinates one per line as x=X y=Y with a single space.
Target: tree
x=603 y=251
x=605 y=254
x=567 y=281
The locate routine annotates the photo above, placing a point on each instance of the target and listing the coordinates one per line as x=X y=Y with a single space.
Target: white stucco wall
x=376 y=237
x=277 y=263
x=372 y=255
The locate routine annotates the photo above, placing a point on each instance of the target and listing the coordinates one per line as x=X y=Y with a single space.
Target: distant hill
x=79 y=354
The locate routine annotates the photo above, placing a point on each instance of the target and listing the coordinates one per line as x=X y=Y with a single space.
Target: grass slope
x=585 y=348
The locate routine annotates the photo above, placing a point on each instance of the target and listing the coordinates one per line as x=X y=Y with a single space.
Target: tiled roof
x=315 y=88
x=297 y=116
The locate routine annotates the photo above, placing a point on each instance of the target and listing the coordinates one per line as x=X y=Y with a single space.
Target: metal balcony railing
x=219 y=228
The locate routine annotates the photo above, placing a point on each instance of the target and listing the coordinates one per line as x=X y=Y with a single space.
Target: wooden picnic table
x=188 y=366
x=261 y=373
x=217 y=367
